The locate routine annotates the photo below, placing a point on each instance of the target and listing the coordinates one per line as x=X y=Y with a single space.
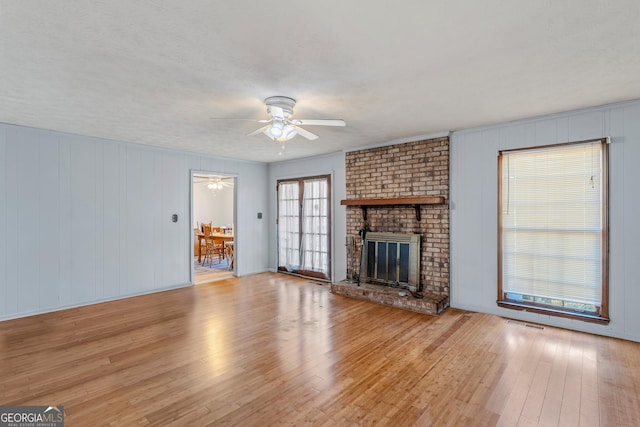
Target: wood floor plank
x=272 y=349
x=589 y=401
x=552 y=404
x=571 y=404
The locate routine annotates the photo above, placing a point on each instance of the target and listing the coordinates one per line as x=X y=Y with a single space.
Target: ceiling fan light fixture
x=216 y=183
x=285 y=136
x=281 y=127
x=276 y=129
x=288 y=132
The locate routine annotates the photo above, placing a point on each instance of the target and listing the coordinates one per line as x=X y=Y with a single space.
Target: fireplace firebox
x=391 y=259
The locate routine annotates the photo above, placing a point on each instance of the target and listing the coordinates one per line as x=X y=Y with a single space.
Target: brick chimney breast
x=413 y=169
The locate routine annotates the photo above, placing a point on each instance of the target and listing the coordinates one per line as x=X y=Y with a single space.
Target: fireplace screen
x=392 y=259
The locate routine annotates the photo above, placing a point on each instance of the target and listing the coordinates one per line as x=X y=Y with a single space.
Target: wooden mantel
x=416 y=202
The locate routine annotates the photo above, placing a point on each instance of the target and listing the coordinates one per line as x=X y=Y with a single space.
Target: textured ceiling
x=155 y=72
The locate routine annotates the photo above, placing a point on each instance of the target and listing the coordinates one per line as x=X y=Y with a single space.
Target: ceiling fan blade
x=310 y=136
x=238 y=118
x=320 y=122
x=262 y=129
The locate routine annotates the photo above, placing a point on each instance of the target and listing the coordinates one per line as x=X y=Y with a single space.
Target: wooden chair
x=213 y=245
x=230 y=253
x=219 y=243
x=209 y=251
x=218 y=248
x=207 y=244
x=198 y=245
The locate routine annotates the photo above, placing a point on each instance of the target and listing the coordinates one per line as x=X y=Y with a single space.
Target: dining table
x=225 y=237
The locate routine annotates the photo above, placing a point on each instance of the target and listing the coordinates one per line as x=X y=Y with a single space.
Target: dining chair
x=230 y=253
x=218 y=247
x=207 y=244
x=209 y=251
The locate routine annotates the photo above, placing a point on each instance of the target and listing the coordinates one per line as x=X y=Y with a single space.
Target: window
x=303 y=226
x=553 y=230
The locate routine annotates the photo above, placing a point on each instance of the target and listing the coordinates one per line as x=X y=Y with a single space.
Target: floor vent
x=317 y=283
x=526 y=325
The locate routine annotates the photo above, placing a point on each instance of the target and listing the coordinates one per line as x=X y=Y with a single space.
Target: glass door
x=303 y=226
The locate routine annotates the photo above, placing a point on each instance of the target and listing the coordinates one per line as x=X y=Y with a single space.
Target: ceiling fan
x=213 y=182
x=281 y=127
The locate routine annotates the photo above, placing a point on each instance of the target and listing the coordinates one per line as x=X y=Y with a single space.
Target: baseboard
x=92 y=302
x=556 y=322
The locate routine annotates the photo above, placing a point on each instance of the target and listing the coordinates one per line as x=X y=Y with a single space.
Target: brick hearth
x=429 y=304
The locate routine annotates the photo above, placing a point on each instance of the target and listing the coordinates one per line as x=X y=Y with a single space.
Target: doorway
x=213 y=217
x=304 y=226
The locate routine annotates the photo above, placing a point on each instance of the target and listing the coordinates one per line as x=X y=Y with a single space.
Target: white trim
x=400 y=141
x=305 y=175
x=192 y=173
x=92 y=302
x=298 y=159
x=251 y=273
x=541 y=319
x=142 y=145
x=558 y=115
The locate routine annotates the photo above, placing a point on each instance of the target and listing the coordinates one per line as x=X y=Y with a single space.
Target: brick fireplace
x=410 y=171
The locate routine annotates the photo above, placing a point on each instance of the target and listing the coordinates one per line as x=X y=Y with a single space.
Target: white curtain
x=315 y=219
x=289 y=225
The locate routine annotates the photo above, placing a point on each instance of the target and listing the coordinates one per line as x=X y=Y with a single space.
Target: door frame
x=330 y=236
x=192 y=173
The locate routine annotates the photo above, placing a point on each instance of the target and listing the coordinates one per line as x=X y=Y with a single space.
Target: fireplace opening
x=391 y=259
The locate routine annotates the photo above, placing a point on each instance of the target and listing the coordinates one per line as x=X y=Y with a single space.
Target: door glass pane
x=393 y=261
x=288 y=225
x=315 y=228
x=382 y=261
x=371 y=258
x=404 y=262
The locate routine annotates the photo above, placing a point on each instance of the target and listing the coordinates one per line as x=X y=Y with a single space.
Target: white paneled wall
x=334 y=165
x=474 y=210
x=84 y=220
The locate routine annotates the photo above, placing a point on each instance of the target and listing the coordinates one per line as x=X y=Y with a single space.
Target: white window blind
x=552 y=225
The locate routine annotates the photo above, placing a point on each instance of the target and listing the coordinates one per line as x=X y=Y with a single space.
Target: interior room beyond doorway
x=213 y=227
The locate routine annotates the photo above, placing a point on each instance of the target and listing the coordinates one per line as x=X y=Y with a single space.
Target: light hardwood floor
x=273 y=349
x=205 y=274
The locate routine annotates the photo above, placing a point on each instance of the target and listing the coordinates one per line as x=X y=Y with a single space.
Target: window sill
x=592 y=318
